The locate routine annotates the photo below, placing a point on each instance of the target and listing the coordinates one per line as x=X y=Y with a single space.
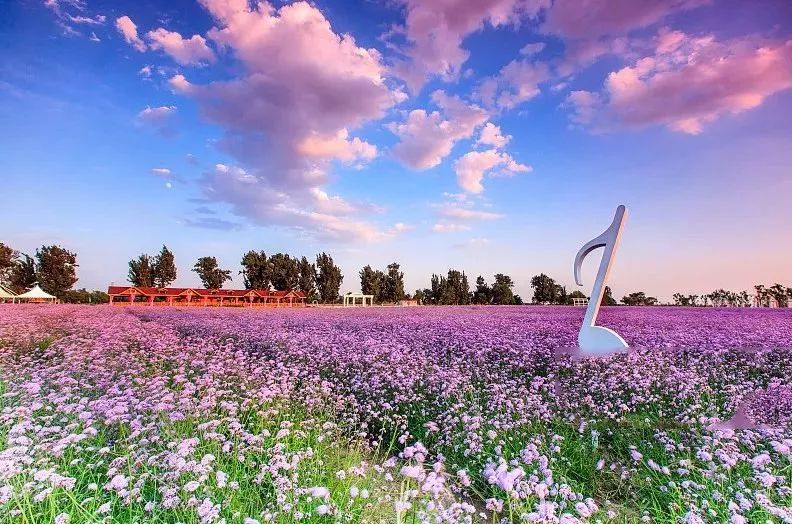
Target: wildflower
x=324 y=509
x=61 y=518
x=401 y=506
x=220 y=478
x=320 y=492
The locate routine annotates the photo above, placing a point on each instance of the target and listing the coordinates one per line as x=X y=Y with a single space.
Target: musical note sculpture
x=591 y=338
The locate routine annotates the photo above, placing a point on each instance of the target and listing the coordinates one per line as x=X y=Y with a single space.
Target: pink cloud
x=185 y=51
x=687 y=83
x=435 y=29
x=591 y=19
x=516 y=83
x=472 y=166
x=128 y=30
x=300 y=91
x=491 y=135
x=338 y=146
x=425 y=139
x=314 y=213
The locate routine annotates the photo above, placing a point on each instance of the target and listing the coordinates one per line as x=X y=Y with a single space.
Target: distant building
x=186 y=296
x=408 y=302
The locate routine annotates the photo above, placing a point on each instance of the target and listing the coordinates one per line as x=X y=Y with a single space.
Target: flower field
x=444 y=414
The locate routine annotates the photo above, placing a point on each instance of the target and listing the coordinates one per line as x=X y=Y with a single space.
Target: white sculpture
x=597 y=339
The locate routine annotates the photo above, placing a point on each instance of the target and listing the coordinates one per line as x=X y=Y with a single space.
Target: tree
x=210 y=274
x=394 y=284
x=23 y=276
x=452 y=289
x=639 y=298
x=83 y=296
x=371 y=282
x=140 y=272
x=575 y=294
x=502 y=290
x=483 y=293
x=545 y=289
x=779 y=294
x=57 y=269
x=518 y=301
x=307 y=279
x=256 y=270
x=607 y=297
x=284 y=272
x=560 y=295
x=762 y=296
x=328 y=278
x=163 y=268
x=8 y=261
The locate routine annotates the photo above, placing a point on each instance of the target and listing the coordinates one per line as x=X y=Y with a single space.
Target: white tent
x=6 y=294
x=36 y=294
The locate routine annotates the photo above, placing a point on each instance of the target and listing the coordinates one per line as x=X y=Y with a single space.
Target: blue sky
x=493 y=136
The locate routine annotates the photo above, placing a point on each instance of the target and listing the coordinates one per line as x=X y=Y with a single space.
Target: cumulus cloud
x=300 y=92
x=128 y=30
x=471 y=167
x=303 y=88
x=491 y=135
x=313 y=212
x=426 y=138
x=435 y=29
x=192 y=51
x=516 y=83
x=338 y=146
x=687 y=82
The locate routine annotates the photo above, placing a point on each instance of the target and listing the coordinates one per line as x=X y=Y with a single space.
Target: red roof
x=211 y=293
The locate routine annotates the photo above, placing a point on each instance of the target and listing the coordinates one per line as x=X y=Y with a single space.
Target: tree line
x=319 y=280
x=454 y=289
x=778 y=293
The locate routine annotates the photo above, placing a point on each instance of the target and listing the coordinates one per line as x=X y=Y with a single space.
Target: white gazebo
x=6 y=294
x=36 y=294
x=350 y=299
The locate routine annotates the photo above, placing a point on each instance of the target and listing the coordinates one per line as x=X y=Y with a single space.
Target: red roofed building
x=186 y=296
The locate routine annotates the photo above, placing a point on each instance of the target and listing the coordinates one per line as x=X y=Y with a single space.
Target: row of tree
x=780 y=293
x=53 y=267
x=319 y=281
x=386 y=286
x=454 y=289
x=157 y=271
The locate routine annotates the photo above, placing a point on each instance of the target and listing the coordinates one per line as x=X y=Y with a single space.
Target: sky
x=495 y=136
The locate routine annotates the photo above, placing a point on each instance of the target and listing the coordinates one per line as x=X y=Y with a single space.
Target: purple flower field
x=433 y=414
